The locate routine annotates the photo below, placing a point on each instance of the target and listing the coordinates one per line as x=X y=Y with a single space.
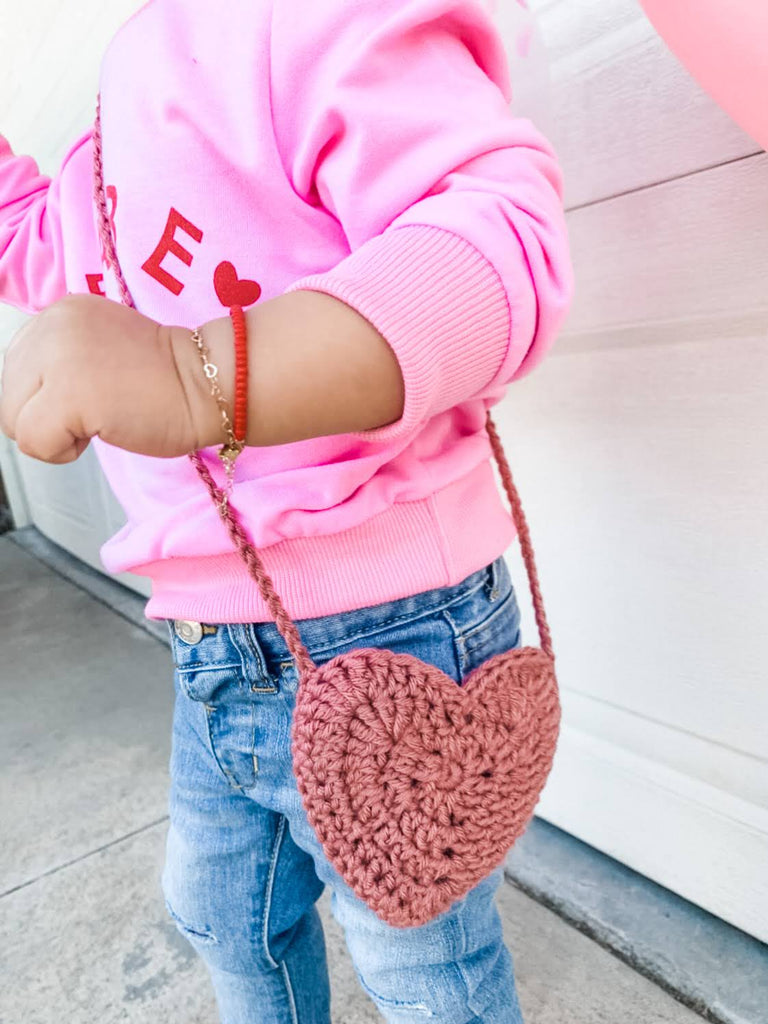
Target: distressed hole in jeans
x=201 y=935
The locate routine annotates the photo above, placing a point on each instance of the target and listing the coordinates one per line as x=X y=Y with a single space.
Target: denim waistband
x=219 y=644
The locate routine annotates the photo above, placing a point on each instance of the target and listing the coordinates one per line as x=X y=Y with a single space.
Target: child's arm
x=31 y=247
x=317 y=367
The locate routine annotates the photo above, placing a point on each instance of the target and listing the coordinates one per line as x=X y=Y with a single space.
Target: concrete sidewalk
x=85 y=715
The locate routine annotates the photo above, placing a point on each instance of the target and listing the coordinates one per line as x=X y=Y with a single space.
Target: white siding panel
x=639 y=447
x=694 y=250
x=643 y=471
x=625 y=112
x=708 y=846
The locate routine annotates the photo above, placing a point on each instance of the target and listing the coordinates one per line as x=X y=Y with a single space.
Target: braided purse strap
x=229 y=515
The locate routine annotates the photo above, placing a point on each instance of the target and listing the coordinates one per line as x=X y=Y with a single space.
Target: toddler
x=350 y=173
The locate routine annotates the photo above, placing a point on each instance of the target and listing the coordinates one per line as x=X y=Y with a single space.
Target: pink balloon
x=724 y=43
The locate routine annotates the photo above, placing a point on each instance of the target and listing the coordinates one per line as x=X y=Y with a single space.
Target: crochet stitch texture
x=415 y=786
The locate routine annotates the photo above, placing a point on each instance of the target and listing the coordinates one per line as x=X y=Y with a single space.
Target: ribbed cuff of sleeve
x=441 y=306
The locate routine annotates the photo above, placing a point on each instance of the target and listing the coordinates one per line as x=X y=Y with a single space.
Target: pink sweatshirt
x=363 y=148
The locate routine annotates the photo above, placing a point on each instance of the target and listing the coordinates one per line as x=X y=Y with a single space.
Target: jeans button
x=189 y=632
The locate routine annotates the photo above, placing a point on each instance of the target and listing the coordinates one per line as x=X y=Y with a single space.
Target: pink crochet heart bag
x=415 y=786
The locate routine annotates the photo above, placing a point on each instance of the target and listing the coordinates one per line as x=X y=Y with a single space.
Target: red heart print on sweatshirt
x=232 y=290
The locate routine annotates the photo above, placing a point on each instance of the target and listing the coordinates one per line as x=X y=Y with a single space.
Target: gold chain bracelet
x=232 y=447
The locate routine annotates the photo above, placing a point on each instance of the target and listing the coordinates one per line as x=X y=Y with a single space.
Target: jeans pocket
x=206 y=683
x=428 y=637
x=497 y=631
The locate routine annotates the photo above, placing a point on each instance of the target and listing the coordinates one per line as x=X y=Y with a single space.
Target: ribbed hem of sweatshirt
x=440 y=305
x=409 y=548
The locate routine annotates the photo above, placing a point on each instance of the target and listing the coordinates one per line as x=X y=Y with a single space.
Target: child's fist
x=88 y=366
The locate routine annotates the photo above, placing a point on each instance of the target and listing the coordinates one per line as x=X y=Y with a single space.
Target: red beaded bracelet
x=241 y=373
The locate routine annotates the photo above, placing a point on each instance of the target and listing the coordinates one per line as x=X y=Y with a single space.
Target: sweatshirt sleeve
x=31 y=244
x=393 y=116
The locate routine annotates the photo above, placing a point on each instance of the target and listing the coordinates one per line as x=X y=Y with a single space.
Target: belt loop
x=257 y=651
x=256 y=665
x=492 y=581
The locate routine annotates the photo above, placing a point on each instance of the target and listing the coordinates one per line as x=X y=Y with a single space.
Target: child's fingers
x=41 y=433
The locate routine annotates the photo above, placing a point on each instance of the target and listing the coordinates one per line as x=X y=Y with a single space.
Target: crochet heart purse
x=415 y=786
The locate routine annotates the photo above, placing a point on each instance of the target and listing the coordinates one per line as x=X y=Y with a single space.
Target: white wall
x=638 y=446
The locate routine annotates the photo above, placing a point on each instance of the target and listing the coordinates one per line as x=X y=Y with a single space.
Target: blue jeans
x=243 y=866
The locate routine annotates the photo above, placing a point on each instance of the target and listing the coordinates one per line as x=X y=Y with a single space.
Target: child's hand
x=88 y=366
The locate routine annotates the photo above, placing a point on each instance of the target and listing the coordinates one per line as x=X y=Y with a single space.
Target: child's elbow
x=540 y=292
